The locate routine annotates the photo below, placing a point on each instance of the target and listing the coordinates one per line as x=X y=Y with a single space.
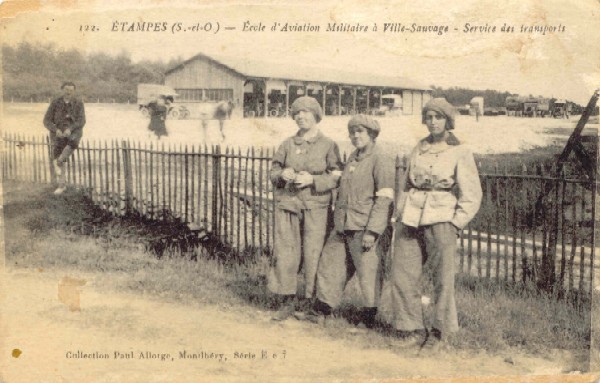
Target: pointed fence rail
x=227 y=192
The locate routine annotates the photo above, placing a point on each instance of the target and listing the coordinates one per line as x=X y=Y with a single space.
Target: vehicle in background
x=463 y=110
x=391 y=105
x=561 y=109
x=489 y=111
x=514 y=105
x=147 y=93
x=536 y=107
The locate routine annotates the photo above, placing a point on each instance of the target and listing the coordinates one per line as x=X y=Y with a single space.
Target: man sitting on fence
x=64 y=119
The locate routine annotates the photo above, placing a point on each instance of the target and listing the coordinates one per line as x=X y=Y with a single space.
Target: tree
x=35 y=72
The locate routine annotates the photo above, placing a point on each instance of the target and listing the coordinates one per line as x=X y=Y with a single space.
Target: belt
x=431 y=188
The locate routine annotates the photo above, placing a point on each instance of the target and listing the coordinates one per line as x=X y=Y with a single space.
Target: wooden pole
x=261 y=182
x=215 y=188
x=206 y=185
x=266 y=100
x=324 y=86
x=126 y=152
x=287 y=98
x=224 y=202
x=239 y=199
x=339 y=112
x=192 y=193
x=253 y=201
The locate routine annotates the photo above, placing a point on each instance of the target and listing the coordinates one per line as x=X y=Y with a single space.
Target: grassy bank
x=68 y=233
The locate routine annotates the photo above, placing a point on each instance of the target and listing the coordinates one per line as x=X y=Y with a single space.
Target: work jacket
x=63 y=115
x=366 y=192
x=318 y=156
x=441 y=184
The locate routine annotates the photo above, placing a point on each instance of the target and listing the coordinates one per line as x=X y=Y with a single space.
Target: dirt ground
x=38 y=321
x=492 y=134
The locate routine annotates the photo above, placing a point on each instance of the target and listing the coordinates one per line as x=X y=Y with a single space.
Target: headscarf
x=309 y=104
x=443 y=107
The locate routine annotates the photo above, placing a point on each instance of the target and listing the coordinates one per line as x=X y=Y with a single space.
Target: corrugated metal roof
x=259 y=69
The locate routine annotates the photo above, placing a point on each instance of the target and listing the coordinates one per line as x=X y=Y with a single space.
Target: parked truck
x=391 y=104
x=561 y=109
x=147 y=93
x=527 y=106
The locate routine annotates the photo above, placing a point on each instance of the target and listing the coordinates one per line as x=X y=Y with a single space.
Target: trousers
x=342 y=257
x=298 y=237
x=414 y=247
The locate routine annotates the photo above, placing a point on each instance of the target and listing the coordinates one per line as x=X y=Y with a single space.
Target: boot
x=318 y=313
x=286 y=308
x=433 y=344
x=60 y=177
x=368 y=317
x=410 y=339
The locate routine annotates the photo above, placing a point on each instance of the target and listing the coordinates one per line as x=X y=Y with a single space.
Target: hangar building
x=265 y=89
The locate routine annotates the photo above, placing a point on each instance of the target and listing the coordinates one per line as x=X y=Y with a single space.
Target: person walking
x=362 y=213
x=158 y=114
x=306 y=169
x=439 y=194
x=64 y=119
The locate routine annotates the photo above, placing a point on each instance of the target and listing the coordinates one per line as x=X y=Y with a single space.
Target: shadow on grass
x=192 y=266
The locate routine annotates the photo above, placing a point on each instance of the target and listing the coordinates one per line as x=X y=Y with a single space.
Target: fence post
x=51 y=160
x=216 y=160
x=127 y=175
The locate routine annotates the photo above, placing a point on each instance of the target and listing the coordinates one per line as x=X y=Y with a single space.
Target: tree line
x=462 y=96
x=34 y=73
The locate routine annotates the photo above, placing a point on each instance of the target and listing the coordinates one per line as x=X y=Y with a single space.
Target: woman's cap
x=309 y=104
x=366 y=121
x=443 y=107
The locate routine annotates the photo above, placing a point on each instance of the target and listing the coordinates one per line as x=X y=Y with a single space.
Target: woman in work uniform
x=439 y=194
x=362 y=213
x=306 y=168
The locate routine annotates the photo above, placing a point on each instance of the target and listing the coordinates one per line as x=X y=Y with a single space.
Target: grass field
x=68 y=234
x=45 y=232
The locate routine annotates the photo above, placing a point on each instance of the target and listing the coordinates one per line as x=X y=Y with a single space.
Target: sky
x=563 y=64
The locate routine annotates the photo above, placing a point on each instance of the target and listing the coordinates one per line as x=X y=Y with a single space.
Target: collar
x=300 y=140
x=450 y=140
x=70 y=102
x=365 y=153
x=426 y=144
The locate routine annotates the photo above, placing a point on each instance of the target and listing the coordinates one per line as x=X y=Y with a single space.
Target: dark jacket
x=366 y=192
x=158 y=115
x=63 y=115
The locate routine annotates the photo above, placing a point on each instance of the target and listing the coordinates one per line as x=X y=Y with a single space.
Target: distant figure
x=221 y=113
x=64 y=119
x=158 y=115
x=477 y=114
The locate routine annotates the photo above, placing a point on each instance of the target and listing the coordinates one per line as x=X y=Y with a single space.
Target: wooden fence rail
x=228 y=192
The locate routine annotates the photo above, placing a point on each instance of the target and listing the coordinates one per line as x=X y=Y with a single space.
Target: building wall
x=407 y=102
x=204 y=74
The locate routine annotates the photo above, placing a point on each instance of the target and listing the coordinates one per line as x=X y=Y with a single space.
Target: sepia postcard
x=299 y=191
